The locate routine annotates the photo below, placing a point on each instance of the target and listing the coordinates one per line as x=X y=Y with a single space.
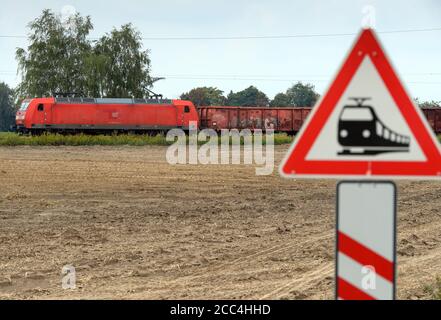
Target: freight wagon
x=433 y=116
x=288 y=119
x=70 y=114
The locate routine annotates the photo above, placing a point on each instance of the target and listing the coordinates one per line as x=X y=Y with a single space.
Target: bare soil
x=135 y=227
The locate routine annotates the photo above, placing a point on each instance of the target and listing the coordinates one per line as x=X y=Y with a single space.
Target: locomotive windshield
x=357 y=114
x=24 y=105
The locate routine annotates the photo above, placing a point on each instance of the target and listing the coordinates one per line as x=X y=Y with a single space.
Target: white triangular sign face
x=366 y=125
x=366 y=82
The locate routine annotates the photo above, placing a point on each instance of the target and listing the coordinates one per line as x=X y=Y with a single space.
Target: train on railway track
x=104 y=115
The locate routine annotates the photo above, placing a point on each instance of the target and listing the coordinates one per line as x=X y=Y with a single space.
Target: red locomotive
x=70 y=114
x=73 y=114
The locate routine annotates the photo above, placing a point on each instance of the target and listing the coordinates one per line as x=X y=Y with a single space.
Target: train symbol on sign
x=361 y=132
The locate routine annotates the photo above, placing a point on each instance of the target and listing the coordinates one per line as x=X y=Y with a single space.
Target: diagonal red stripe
x=365 y=256
x=347 y=291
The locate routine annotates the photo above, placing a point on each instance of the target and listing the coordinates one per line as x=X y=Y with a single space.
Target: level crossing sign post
x=365 y=130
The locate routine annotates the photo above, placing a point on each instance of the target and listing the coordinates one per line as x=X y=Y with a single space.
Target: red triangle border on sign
x=295 y=163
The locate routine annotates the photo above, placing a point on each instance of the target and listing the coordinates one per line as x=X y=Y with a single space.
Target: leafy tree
x=205 y=96
x=302 y=95
x=54 y=60
x=121 y=64
x=60 y=58
x=280 y=100
x=7 y=111
x=95 y=70
x=428 y=104
x=250 y=97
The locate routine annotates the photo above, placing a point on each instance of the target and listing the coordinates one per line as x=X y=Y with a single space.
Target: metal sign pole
x=365 y=240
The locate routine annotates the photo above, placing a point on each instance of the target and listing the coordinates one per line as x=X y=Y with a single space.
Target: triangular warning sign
x=366 y=125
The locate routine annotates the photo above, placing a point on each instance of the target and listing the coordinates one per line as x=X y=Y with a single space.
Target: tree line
x=298 y=95
x=62 y=58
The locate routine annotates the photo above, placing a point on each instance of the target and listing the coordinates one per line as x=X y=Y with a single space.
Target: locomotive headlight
x=366 y=133
x=343 y=133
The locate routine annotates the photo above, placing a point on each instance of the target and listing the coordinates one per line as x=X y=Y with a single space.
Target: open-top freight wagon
x=282 y=119
x=433 y=116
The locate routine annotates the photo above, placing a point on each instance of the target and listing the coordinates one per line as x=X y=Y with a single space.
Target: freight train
x=102 y=115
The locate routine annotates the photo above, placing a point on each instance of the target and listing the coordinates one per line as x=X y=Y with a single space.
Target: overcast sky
x=270 y=64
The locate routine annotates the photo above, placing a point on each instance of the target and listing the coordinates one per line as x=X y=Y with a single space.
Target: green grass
x=13 y=139
x=437 y=292
x=434 y=291
x=51 y=139
x=282 y=138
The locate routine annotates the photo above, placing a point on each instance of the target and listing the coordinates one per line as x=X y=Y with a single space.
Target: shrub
x=54 y=139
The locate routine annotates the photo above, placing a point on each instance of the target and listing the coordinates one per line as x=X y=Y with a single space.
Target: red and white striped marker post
x=366 y=237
